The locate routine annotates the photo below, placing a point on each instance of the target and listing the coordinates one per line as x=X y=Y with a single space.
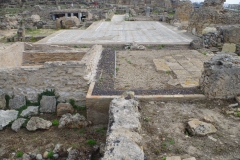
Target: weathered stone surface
x=73 y=121
x=58 y=148
x=123 y=131
x=17 y=102
x=196 y=127
x=39 y=157
x=229 y=47
x=17 y=124
x=38 y=123
x=183 y=10
x=26 y=157
x=209 y=29
x=2 y=101
x=35 y=18
x=192 y=158
x=161 y=65
x=214 y=4
x=196 y=43
x=173 y=158
x=30 y=111
x=48 y=104
x=63 y=108
x=220 y=78
x=73 y=154
x=67 y=22
x=7 y=116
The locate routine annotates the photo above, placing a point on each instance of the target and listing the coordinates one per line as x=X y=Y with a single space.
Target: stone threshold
x=98 y=105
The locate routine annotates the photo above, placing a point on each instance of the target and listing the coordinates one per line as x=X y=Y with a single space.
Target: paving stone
x=161 y=65
x=175 y=66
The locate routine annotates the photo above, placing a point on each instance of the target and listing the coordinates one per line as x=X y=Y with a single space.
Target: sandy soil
x=41 y=140
x=164 y=130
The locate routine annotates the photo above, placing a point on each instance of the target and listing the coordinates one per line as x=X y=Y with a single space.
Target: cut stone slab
x=229 y=47
x=175 y=66
x=7 y=116
x=173 y=82
x=17 y=124
x=2 y=101
x=38 y=123
x=30 y=111
x=63 y=108
x=161 y=65
x=48 y=104
x=17 y=102
x=196 y=127
x=173 y=158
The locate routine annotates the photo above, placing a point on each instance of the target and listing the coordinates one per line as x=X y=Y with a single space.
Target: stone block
x=7 y=116
x=161 y=65
x=30 y=111
x=63 y=108
x=17 y=124
x=48 y=104
x=73 y=121
x=238 y=99
x=196 y=127
x=208 y=30
x=17 y=102
x=38 y=123
x=229 y=47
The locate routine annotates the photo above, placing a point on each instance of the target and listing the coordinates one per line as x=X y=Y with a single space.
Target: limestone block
x=17 y=124
x=48 y=104
x=73 y=121
x=63 y=108
x=38 y=123
x=7 y=116
x=2 y=101
x=35 y=18
x=30 y=111
x=229 y=47
x=17 y=102
x=208 y=30
x=161 y=65
x=196 y=127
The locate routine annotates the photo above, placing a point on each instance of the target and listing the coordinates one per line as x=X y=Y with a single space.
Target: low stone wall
x=221 y=76
x=123 y=136
x=69 y=79
x=40 y=57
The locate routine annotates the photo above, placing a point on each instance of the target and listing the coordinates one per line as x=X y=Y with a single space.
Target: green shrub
x=55 y=122
x=50 y=154
x=19 y=154
x=91 y=142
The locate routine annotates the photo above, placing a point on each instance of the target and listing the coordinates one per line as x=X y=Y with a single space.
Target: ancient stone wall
x=123 y=136
x=221 y=76
x=183 y=10
x=70 y=79
x=211 y=14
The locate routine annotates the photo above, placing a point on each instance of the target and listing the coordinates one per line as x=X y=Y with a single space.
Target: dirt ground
x=41 y=140
x=136 y=70
x=164 y=130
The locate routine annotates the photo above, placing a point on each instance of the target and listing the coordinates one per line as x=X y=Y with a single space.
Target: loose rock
x=30 y=111
x=173 y=158
x=2 y=101
x=7 y=116
x=38 y=123
x=39 y=157
x=196 y=127
x=73 y=121
x=63 y=108
x=17 y=124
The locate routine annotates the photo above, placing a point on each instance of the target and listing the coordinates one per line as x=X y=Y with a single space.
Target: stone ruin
x=221 y=76
x=211 y=14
